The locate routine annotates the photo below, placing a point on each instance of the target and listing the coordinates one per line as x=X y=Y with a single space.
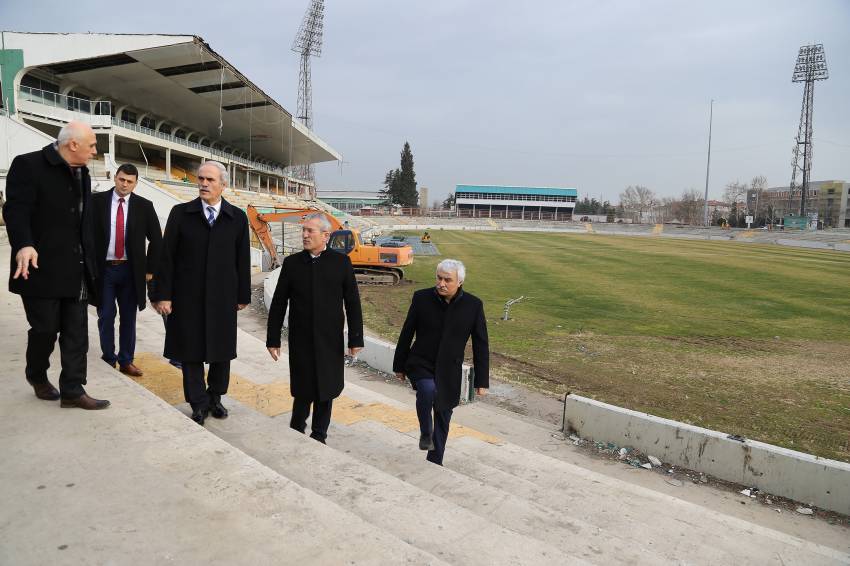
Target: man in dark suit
x=49 y=220
x=203 y=279
x=123 y=222
x=443 y=318
x=315 y=284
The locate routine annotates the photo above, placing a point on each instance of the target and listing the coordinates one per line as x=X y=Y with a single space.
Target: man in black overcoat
x=49 y=221
x=443 y=318
x=315 y=284
x=123 y=223
x=203 y=279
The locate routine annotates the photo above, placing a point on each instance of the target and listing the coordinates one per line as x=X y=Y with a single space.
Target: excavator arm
x=259 y=222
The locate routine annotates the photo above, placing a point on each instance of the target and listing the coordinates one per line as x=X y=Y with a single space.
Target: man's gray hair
x=70 y=131
x=324 y=223
x=453 y=266
x=222 y=170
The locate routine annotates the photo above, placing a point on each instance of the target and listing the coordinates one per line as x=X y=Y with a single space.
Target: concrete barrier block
x=787 y=473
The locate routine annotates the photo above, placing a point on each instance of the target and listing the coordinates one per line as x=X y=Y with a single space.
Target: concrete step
x=642 y=515
x=398 y=454
x=645 y=526
x=421 y=519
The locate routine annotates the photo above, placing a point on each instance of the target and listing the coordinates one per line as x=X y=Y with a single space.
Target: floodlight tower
x=308 y=42
x=810 y=67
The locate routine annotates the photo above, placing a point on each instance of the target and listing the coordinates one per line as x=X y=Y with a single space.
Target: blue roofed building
x=522 y=203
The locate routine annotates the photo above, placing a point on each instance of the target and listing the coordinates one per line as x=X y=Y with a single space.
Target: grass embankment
x=742 y=338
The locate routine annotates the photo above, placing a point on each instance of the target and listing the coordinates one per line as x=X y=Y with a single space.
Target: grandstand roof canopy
x=501 y=189
x=178 y=78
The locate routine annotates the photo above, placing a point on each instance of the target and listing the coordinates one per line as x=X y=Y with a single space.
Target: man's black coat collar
x=51 y=154
x=198 y=205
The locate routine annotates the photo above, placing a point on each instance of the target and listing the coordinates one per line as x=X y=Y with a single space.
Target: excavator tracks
x=377 y=276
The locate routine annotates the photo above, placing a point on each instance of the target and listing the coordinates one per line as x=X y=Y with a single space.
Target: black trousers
x=199 y=395
x=67 y=318
x=321 y=417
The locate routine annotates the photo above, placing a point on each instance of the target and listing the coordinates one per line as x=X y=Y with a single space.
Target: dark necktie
x=119 y=230
x=211 y=217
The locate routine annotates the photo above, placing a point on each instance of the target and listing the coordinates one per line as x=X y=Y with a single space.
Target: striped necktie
x=211 y=217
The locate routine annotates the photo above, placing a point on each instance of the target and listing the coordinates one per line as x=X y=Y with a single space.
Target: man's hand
x=354 y=351
x=148 y=277
x=481 y=391
x=240 y=307
x=400 y=375
x=25 y=256
x=163 y=307
x=275 y=352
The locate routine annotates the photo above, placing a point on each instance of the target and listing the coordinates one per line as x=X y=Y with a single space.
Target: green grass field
x=741 y=338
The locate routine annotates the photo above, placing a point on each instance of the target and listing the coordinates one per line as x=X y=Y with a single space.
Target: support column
x=112 y=146
x=168 y=163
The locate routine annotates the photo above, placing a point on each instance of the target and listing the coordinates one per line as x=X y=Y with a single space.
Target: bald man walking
x=48 y=219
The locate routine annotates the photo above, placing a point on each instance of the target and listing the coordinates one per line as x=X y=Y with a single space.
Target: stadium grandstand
x=164 y=103
x=521 y=203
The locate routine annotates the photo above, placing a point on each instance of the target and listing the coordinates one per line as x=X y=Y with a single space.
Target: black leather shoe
x=84 y=402
x=218 y=411
x=45 y=391
x=198 y=415
x=426 y=442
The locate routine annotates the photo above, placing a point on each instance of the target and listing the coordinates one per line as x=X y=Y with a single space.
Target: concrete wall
x=802 y=477
x=17 y=138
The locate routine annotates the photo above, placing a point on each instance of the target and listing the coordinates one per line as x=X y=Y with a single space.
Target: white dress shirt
x=110 y=252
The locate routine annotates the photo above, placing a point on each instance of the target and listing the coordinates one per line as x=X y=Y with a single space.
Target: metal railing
x=66 y=102
x=104 y=108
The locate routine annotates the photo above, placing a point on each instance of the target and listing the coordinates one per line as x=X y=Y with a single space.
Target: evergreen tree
x=406 y=194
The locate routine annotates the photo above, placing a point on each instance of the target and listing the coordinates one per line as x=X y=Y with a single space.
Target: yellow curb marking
x=272 y=399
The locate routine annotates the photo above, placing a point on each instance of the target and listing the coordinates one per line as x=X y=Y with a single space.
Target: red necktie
x=119 y=230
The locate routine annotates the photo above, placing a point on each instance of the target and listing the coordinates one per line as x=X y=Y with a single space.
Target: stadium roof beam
x=178 y=78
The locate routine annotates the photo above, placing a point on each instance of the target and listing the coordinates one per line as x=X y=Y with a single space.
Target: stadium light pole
x=708 y=165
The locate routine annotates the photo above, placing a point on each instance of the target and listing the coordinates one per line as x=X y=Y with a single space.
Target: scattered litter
x=750 y=492
x=737 y=437
x=654 y=461
x=675 y=482
x=648 y=466
x=776 y=337
x=805 y=511
x=575 y=438
x=703 y=478
x=623 y=453
x=779 y=510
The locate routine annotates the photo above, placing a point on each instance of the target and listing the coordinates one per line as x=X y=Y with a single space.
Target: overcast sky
x=595 y=95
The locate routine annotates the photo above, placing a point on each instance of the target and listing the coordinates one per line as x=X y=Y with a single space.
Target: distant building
x=827 y=199
x=524 y=203
x=353 y=202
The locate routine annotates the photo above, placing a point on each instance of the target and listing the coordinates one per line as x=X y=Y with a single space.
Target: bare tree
x=690 y=207
x=637 y=200
x=757 y=188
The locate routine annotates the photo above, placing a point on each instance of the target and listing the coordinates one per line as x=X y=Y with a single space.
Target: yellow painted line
x=272 y=399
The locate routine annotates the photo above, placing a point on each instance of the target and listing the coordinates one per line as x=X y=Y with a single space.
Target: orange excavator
x=374 y=265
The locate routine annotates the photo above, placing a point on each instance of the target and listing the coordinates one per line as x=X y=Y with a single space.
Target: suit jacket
x=205 y=272
x=42 y=210
x=442 y=331
x=315 y=291
x=142 y=224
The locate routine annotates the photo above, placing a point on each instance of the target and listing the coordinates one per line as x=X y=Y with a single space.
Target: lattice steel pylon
x=308 y=42
x=810 y=67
